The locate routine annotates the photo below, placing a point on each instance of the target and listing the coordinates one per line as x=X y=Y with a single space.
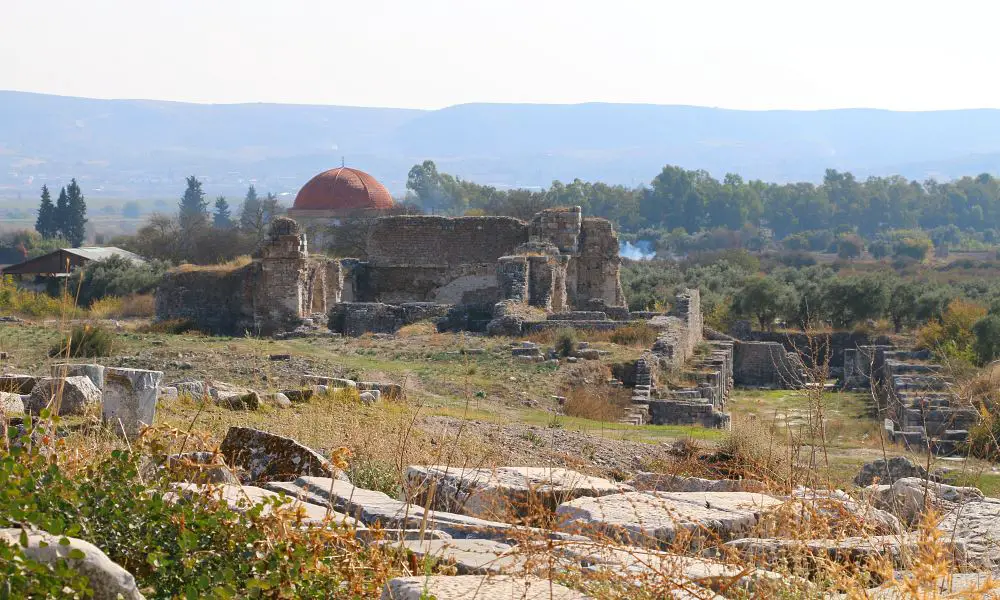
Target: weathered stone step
x=501 y=492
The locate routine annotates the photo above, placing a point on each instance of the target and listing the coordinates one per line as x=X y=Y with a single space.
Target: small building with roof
x=64 y=261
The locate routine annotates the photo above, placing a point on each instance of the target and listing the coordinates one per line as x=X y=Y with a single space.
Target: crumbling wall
x=819 y=346
x=594 y=271
x=766 y=364
x=561 y=227
x=427 y=241
x=356 y=318
x=458 y=284
x=274 y=293
x=215 y=301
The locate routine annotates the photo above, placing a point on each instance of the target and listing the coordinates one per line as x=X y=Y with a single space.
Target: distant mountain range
x=142 y=149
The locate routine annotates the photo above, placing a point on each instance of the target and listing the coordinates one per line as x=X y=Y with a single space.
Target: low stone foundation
x=357 y=318
x=681 y=412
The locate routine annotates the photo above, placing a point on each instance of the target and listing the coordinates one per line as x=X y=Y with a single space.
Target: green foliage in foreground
x=85 y=341
x=22 y=577
x=191 y=549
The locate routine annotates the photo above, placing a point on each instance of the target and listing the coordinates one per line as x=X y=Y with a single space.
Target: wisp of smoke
x=640 y=250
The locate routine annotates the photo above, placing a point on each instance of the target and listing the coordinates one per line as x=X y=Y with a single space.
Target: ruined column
x=130 y=398
x=541 y=281
x=512 y=277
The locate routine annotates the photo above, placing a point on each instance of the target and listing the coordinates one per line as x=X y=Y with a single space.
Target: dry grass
x=417 y=329
x=387 y=437
x=636 y=335
x=597 y=403
x=138 y=306
x=226 y=267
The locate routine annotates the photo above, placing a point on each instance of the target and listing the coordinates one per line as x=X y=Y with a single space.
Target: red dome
x=343 y=189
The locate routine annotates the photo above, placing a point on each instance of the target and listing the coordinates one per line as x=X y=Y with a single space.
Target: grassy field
x=457 y=379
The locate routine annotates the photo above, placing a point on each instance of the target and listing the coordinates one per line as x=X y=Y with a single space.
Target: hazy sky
x=754 y=54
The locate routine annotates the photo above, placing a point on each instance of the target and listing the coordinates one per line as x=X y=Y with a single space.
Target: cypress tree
x=61 y=218
x=75 y=224
x=193 y=207
x=251 y=219
x=223 y=218
x=46 y=224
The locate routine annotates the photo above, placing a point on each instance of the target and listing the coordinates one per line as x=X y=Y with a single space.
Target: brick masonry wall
x=428 y=241
x=217 y=302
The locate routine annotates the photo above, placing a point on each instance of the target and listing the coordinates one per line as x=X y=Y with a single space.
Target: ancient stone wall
x=281 y=287
x=808 y=346
x=356 y=318
x=459 y=284
x=561 y=227
x=917 y=400
x=216 y=301
x=557 y=261
x=427 y=241
x=594 y=273
x=766 y=364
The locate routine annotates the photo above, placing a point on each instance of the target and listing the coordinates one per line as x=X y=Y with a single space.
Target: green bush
x=565 y=342
x=115 y=276
x=22 y=577
x=85 y=341
x=199 y=548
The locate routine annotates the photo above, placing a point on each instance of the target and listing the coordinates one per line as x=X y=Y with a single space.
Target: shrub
x=85 y=341
x=28 y=303
x=106 y=308
x=373 y=474
x=170 y=326
x=751 y=451
x=199 y=548
x=114 y=277
x=951 y=337
x=912 y=244
x=565 y=342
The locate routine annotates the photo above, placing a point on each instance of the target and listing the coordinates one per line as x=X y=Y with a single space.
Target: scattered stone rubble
x=70 y=396
x=260 y=456
x=474 y=519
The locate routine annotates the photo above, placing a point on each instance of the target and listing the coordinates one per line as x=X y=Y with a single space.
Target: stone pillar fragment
x=93 y=372
x=130 y=397
x=512 y=276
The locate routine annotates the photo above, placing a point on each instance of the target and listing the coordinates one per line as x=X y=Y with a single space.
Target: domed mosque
x=335 y=198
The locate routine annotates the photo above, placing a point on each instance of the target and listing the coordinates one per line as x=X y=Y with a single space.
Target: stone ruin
x=278 y=291
x=463 y=272
x=915 y=398
x=683 y=379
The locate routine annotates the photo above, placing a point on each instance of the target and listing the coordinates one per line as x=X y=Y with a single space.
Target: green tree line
x=694 y=201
